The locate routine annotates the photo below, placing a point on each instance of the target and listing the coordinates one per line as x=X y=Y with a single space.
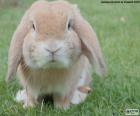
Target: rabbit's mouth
x=53 y=58
x=54 y=64
x=52 y=61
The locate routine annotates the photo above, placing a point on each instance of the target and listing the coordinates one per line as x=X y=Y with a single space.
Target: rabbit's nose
x=52 y=51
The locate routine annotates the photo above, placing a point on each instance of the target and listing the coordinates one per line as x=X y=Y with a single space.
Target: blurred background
x=118 y=29
x=13 y=3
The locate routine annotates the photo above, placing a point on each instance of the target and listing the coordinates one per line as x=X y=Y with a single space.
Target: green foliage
x=118 y=28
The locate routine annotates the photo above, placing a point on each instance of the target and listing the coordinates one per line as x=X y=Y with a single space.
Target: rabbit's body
x=53 y=49
x=63 y=82
x=48 y=81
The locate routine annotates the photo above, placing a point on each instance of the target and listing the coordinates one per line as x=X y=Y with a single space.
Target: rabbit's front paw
x=25 y=98
x=21 y=96
x=61 y=102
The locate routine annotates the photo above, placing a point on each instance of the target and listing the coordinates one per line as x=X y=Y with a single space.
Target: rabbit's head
x=54 y=35
x=51 y=41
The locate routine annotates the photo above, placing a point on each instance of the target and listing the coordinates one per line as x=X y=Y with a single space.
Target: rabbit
x=53 y=51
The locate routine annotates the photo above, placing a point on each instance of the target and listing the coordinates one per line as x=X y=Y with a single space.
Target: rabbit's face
x=51 y=43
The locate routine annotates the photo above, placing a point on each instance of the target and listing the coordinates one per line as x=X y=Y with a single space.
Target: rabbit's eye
x=69 y=25
x=33 y=26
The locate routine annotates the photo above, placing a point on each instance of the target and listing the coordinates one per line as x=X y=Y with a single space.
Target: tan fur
x=84 y=89
x=77 y=49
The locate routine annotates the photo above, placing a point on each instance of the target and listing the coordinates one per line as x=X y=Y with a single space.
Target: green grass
x=118 y=30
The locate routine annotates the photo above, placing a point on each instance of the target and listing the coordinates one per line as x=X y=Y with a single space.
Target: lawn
x=118 y=30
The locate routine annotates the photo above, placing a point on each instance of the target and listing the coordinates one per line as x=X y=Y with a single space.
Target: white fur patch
x=78 y=97
x=21 y=96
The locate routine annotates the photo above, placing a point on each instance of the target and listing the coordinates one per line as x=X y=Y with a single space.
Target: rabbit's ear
x=15 y=50
x=90 y=44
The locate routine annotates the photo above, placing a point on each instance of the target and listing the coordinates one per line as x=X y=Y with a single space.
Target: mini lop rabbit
x=53 y=50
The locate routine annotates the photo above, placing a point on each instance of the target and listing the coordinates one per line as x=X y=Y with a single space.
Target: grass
x=118 y=30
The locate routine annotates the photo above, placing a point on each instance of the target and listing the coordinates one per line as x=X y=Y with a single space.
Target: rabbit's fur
x=53 y=51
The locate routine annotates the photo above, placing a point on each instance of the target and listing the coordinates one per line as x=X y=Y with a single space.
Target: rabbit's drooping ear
x=90 y=44
x=15 y=50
